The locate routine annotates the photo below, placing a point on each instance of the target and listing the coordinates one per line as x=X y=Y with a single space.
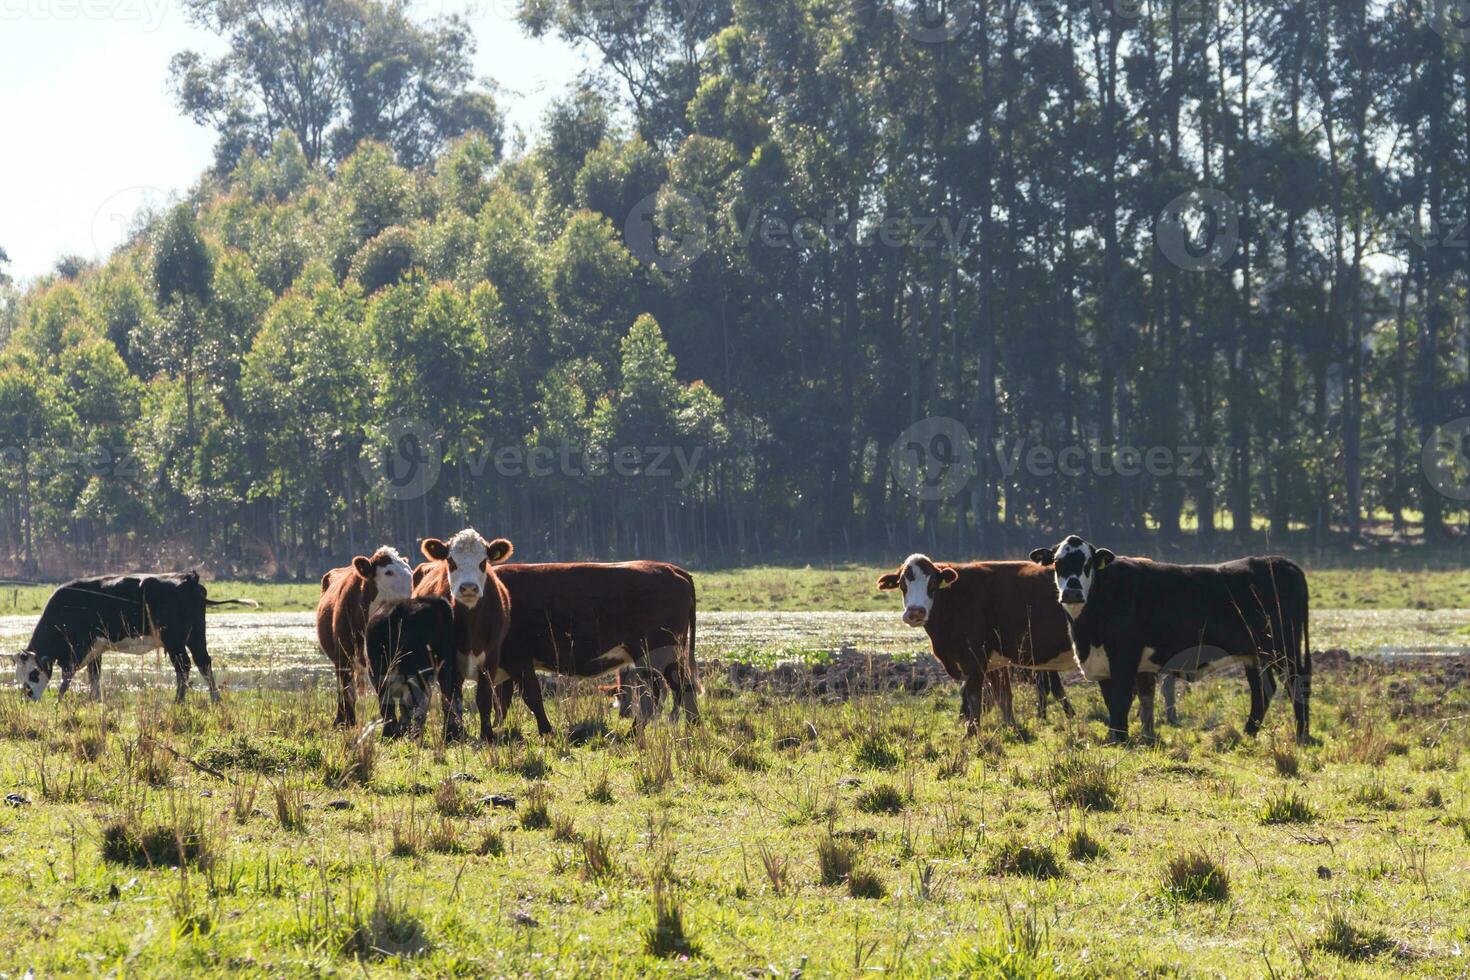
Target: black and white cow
x=129 y=613
x=1130 y=616
x=410 y=650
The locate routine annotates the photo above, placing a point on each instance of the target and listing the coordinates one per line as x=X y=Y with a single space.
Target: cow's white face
x=30 y=676
x=468 y=556
x=1076 y=564
x=390 y=575
x=919 y=579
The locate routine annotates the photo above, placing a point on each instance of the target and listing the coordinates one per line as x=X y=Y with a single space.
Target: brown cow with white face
x=350 y=595
x=463 y=571
x=982 y=618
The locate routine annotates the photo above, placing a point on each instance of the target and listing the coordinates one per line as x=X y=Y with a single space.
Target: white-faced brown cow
x=983 y=617
x=350 y=595
x=462 y=570
x=1131 y=618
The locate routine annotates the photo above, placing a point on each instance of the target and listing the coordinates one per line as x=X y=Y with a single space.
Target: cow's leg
x=999 y=683
x=200 y=651
x=346 y=692
x=485 y=703
x=672 y=662
x=178 y=655
x=504 y=693
x=94 y=675
x=1042 y=683
x=530 y=686
x=451 y=692
x=1118 y=695
x=1171 y=698
x=1299 y=685
x=972 y=701
x=1060 y=693
x=1258 y=700
x=1146 y=685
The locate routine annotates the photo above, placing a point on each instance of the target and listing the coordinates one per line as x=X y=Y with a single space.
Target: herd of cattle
x=464 y=613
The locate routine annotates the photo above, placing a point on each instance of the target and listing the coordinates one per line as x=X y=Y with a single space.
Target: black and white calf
x=1130 y=617
x=410 y=648
x=129 y=613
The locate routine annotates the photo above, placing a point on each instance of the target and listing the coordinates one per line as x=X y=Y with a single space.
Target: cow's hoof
x=1172 y=718
x=1116 y=737
x=1304 y=739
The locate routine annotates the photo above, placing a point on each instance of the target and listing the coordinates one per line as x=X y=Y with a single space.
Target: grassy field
x=850 y=588
x=782 y=835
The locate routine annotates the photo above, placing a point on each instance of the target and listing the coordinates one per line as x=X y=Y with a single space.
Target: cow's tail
x=1304 y=652
x=248 y=603
x=693 y=660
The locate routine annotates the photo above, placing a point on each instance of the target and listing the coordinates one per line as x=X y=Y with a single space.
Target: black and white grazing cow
x=129 y=613
x=410 y=649
x=1128 y=617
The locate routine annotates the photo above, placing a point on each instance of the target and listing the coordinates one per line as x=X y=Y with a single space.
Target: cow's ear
x=1102 y=558
x=434 y=549
x=947 y=576
x=498 y=550
x=363 y=566
x=887 y=583
x=1043 y=556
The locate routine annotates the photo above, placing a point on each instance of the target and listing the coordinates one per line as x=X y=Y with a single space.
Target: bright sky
x=90 y=131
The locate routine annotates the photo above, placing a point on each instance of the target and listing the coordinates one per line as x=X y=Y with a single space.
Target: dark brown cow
x=463 y=571
x=350 y=595
x=984 y=616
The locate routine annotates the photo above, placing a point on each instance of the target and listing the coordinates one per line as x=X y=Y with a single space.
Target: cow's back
x=342 y=614
x=567 y=615
x=1005 y=607
x=1232 y=605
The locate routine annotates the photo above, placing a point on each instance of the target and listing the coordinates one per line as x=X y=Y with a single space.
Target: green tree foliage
x=334 y=73
x=774 y=237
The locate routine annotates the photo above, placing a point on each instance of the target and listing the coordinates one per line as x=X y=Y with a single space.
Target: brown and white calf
x=983 y=618
x=463 y=571
x=350 y=595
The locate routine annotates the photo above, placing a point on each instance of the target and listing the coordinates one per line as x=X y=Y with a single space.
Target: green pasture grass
x=250 y=838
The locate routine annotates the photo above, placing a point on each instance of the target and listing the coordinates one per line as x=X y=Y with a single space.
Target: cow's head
x=31 y=675
x=389 y=574
x=920 y=580
x=469 y=558
x=1076 y=564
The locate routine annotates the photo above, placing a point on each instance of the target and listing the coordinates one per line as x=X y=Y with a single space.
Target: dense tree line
x=790 y=277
